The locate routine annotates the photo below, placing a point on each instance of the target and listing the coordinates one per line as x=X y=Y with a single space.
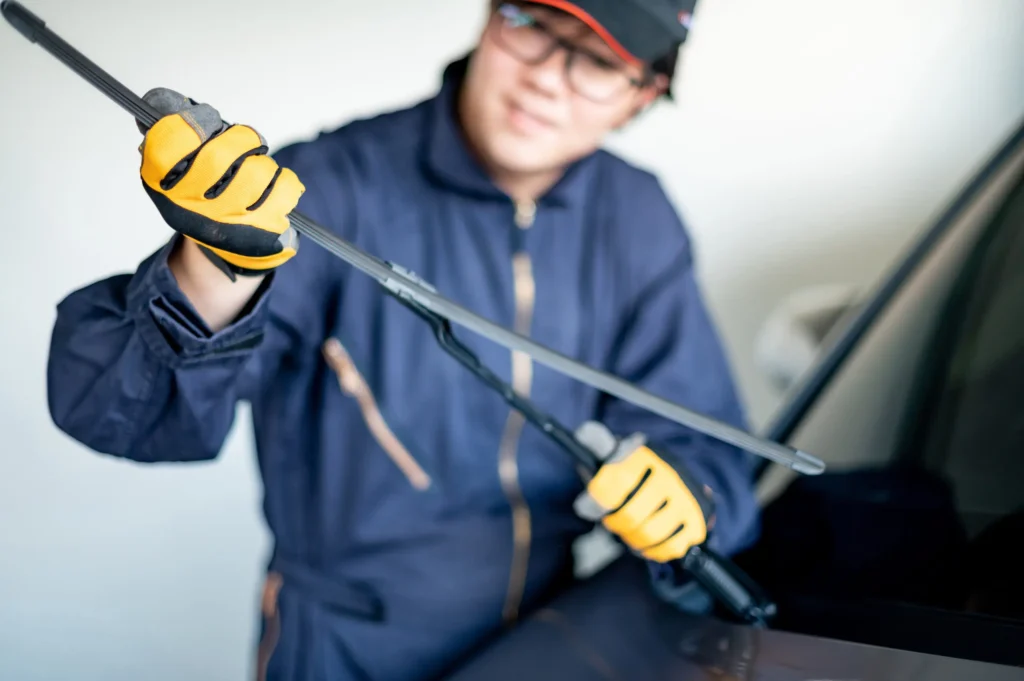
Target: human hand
x=658 y=509
x=214 y=183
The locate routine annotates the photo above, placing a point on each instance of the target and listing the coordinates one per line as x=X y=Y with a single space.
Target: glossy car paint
x=614 y=628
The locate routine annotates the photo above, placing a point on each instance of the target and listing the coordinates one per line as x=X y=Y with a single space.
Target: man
x=412 y=514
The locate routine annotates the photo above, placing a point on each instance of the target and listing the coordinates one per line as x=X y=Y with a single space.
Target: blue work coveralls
x=410 y=511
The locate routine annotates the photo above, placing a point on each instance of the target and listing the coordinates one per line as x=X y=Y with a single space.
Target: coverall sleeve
x=134 y=372
x=669 y=346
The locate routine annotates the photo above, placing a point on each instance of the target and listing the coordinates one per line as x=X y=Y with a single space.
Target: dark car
x=905 y=559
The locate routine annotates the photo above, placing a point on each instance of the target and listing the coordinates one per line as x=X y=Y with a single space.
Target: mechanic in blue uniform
x=413 y=516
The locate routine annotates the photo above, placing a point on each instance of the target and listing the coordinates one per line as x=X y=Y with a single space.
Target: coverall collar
x=448 y=158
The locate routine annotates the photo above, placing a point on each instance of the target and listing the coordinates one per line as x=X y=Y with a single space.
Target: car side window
x=932 y=514
x=975 y=432
x=971 y=431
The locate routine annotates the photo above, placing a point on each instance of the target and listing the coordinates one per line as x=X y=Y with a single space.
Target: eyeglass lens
x=590 y=75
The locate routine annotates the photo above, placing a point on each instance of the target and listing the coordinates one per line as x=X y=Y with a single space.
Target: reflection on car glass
x=979 y=434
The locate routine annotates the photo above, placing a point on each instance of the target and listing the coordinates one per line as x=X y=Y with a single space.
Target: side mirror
x=795 y=332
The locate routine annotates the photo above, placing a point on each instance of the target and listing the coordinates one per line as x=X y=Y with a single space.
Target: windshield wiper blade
x=399 y=282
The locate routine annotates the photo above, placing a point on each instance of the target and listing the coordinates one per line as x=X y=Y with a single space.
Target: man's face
x=527 y=117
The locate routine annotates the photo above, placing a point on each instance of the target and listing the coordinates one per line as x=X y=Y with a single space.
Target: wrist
x=216 y=297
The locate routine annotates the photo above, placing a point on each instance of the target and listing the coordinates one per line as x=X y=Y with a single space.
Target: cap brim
x=642 y=39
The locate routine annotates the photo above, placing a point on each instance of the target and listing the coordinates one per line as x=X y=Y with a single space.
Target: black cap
x=639 y=30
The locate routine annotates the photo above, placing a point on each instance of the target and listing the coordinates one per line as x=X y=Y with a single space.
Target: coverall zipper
x=522 y=377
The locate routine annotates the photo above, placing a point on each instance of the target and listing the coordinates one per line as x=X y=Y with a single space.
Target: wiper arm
x=398 y=282
x=541 y=420
x=722 y=578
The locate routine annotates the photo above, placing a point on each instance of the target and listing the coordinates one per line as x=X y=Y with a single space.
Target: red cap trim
x=590 y=21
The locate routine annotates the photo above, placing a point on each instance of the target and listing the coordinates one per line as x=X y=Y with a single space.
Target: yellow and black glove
x=655 y=508
x=214 y=183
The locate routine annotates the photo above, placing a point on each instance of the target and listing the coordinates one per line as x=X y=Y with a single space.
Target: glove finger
x=597 y=438
x=214 y=160
x=676 y=546
x=635 y=512
x=587 y=507
x=248 y=185
x=614 y=483
x=166 y=149
x=657 y=529
x=183 y=128
x=203 y=118
x=279 y=201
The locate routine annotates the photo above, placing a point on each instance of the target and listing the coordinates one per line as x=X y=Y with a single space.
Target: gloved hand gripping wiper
x=33 y=28
x=719 y=576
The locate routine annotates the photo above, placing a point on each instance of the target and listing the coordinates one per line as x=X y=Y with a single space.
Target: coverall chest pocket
x=355 y=386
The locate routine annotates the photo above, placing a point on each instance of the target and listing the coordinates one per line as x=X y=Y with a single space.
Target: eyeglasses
x=589 y=75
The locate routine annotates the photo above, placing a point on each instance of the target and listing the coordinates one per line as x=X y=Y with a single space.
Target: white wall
x=841 y=126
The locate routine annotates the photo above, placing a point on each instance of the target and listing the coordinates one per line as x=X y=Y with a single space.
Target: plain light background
x=810 y=142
